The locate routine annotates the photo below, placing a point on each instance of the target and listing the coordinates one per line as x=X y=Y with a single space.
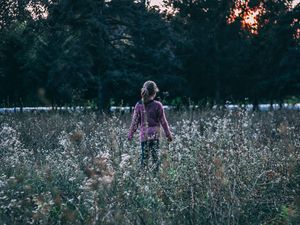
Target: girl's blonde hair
x=149 y=89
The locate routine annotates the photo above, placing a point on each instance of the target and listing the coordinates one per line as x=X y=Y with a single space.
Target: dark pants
x=150 y=147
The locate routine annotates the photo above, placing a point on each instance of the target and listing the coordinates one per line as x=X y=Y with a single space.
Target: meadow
x=223 y=167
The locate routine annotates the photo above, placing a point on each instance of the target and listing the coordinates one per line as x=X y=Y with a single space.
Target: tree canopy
x=64 y=52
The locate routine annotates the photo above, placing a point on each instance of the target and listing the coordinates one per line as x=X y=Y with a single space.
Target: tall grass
x=223 y=167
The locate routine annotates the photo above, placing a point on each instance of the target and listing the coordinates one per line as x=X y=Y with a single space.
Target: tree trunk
x=100 y=102
x=255 y=104
x=217 y=93
x=103 y=103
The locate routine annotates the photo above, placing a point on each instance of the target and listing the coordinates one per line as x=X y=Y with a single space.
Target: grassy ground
x=223 y=167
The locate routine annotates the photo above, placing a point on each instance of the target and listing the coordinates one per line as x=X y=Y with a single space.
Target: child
x=149 y=114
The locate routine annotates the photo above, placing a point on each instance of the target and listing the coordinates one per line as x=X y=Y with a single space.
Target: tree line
x=98 y=52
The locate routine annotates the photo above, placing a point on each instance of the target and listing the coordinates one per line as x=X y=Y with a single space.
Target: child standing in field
x=149 y=114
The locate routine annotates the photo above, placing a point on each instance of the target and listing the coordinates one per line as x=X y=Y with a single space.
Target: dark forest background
x=97 y=53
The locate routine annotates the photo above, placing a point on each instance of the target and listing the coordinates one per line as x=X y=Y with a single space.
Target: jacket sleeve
x=163 y=121
x=136 y=120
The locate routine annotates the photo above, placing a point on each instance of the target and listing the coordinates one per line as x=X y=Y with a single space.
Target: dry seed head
x=271 y=174
x=217 y=162
x=106 y=180
x=101 y=163
x=12 y=180
x=48 y=174
x=36 y=216
x=69 y=215
x=76 y=136
x=89 y=172
x=283 y=128
x=28 y=187
x=220 y=173
x=92 y=184
x=57 y=200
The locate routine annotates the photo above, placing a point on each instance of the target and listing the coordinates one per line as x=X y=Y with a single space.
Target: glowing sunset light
x=162 y=8
x=250 y=19
x=297 y=34
x=160 y=2
x=249 y=16
x=156 y=2
x=42 y=11
x=295 y=2
x=296 y=25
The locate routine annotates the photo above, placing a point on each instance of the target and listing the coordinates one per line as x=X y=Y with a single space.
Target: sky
x=159 y=2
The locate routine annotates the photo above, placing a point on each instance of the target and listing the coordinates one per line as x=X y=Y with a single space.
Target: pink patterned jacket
x=149 y=121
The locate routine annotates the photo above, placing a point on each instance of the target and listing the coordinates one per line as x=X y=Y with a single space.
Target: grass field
x=223 y=167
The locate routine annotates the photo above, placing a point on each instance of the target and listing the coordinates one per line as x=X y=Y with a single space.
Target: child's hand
x=170 y=139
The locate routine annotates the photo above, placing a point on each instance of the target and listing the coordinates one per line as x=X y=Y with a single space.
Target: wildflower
x=106 y=180
x=72 y=179
x=124 y=161
x=12 y=180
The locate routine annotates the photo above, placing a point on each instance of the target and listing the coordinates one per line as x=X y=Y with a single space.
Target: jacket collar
x=146 y=103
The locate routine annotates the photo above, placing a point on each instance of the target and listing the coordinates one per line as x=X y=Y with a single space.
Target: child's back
x=149 y=116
